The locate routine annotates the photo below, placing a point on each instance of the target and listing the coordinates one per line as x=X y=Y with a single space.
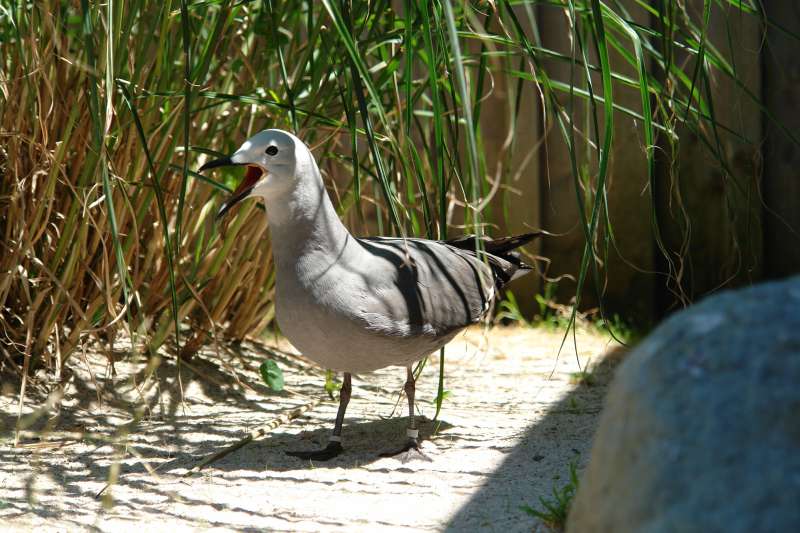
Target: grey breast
x=383 y=302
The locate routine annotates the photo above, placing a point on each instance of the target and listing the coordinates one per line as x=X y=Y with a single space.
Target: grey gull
x=357 y=304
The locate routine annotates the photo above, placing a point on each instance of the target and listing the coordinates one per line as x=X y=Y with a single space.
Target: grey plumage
x=359 y=304
x=387 y=301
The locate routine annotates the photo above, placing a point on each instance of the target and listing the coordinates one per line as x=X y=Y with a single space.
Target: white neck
x=303 y=223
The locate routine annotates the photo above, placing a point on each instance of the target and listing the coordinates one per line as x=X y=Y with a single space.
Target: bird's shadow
x=363 y=443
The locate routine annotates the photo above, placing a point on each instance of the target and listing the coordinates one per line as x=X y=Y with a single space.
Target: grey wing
x=427 y=287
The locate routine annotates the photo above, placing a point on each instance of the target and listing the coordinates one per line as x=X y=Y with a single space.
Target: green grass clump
x=583 y=377
x=553 y=511
x=107 y=108
x=559 y=317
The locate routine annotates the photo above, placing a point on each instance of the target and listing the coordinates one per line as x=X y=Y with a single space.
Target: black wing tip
x=494 y=246
x=519 y=240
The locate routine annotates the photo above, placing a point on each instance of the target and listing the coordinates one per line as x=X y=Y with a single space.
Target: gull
x=356 y=304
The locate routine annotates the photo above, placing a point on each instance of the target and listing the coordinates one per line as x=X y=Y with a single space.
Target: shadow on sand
x=174 y=442
x=529 y=461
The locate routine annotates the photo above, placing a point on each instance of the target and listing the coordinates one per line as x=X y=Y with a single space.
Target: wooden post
x=560 y=213
x=710 y=215
x=629 y=271
x=513 y=151
x=626 y=280
x=781 y=181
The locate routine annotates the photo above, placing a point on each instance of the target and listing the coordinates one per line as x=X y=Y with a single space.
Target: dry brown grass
x=59 y=277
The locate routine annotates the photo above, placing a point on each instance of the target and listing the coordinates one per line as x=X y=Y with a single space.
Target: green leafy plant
x=509 y=310
x=544 y=300
x=619 y=329
x=271 y=374
x=440 y=398
x=583 y=377
x=551 y=313
x=553 y=511
x=331 y=385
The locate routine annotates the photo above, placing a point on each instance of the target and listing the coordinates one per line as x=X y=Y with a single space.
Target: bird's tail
x=505 y=262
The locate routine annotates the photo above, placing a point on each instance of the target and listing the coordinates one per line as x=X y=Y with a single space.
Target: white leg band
x=412 y=433
x=335 y=438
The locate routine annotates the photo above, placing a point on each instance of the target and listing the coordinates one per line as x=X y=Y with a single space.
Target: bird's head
x=271 y=159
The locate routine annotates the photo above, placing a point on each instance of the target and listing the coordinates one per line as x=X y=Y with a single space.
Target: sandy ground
x=508 y=433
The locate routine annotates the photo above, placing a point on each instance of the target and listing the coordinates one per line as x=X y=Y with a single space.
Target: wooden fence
x=718 y=228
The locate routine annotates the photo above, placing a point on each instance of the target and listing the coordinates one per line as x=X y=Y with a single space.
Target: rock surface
x=701 y=428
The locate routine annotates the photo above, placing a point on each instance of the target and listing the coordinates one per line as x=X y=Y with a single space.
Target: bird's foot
x=409 y=452
x=326 y=454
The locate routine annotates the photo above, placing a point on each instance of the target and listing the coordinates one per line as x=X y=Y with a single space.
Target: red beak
x=251 y=177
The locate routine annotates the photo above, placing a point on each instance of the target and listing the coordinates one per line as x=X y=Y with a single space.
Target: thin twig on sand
x=256 y=433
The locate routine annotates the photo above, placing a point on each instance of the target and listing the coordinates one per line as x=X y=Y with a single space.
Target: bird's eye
x=272 y=150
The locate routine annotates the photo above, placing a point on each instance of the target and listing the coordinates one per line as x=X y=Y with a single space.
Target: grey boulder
x=701 y=428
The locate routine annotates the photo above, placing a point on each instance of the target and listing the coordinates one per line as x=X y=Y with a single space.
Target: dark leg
x=411 y=448
x=334 y=446
x=411 y=388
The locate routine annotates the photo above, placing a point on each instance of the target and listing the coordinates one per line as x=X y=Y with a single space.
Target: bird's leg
x=334 y=446
x=344 y=399
x=411 y=387
x=411 y=448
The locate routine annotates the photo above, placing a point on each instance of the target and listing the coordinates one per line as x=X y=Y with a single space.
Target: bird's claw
x=326 y=454
x=409 y=452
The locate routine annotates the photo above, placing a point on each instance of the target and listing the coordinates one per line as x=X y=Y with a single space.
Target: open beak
x=251 y=177
x=221 y=162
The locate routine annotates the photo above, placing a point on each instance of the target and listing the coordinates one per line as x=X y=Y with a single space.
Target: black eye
x=272 y=150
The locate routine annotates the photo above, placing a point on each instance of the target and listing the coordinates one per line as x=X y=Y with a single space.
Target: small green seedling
x=331 y=385
x=444 y=396
x=554 y=511
x=509 y=310
x=619 y=330
x=583 y=377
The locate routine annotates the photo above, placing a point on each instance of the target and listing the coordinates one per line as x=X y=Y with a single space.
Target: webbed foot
x=332 y=450
x=409 y=452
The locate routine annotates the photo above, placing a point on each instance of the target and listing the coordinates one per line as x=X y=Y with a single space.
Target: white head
x=273 y=159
